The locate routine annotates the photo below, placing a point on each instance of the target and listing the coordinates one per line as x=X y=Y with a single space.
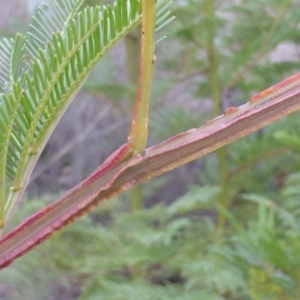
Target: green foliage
x=45 y=70
x=179 y=251
x=170 y=252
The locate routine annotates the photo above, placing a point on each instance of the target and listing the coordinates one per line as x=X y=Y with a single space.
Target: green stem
x=139 y=129
x=132 y=43
x=217 y=101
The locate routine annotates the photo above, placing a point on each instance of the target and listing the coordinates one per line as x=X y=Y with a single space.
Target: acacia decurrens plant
x=41 y=72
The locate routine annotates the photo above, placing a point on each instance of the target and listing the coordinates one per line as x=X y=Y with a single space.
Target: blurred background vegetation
x=223 y=227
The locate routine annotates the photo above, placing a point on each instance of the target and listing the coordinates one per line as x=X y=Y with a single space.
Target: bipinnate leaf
x=59 y=60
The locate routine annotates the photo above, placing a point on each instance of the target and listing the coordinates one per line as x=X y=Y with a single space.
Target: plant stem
x=139 y=129
x=123 y=170
x=217 y=101
x=132 y=43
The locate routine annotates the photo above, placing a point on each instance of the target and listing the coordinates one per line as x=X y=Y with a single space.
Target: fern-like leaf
x=6 y=46
x=49 y=18
x=59 y=66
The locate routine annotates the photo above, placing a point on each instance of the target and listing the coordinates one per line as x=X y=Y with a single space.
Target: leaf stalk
x=138 y=135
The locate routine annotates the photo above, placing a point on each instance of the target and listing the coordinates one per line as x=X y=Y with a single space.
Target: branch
x=111 y=179
x=139 y=129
